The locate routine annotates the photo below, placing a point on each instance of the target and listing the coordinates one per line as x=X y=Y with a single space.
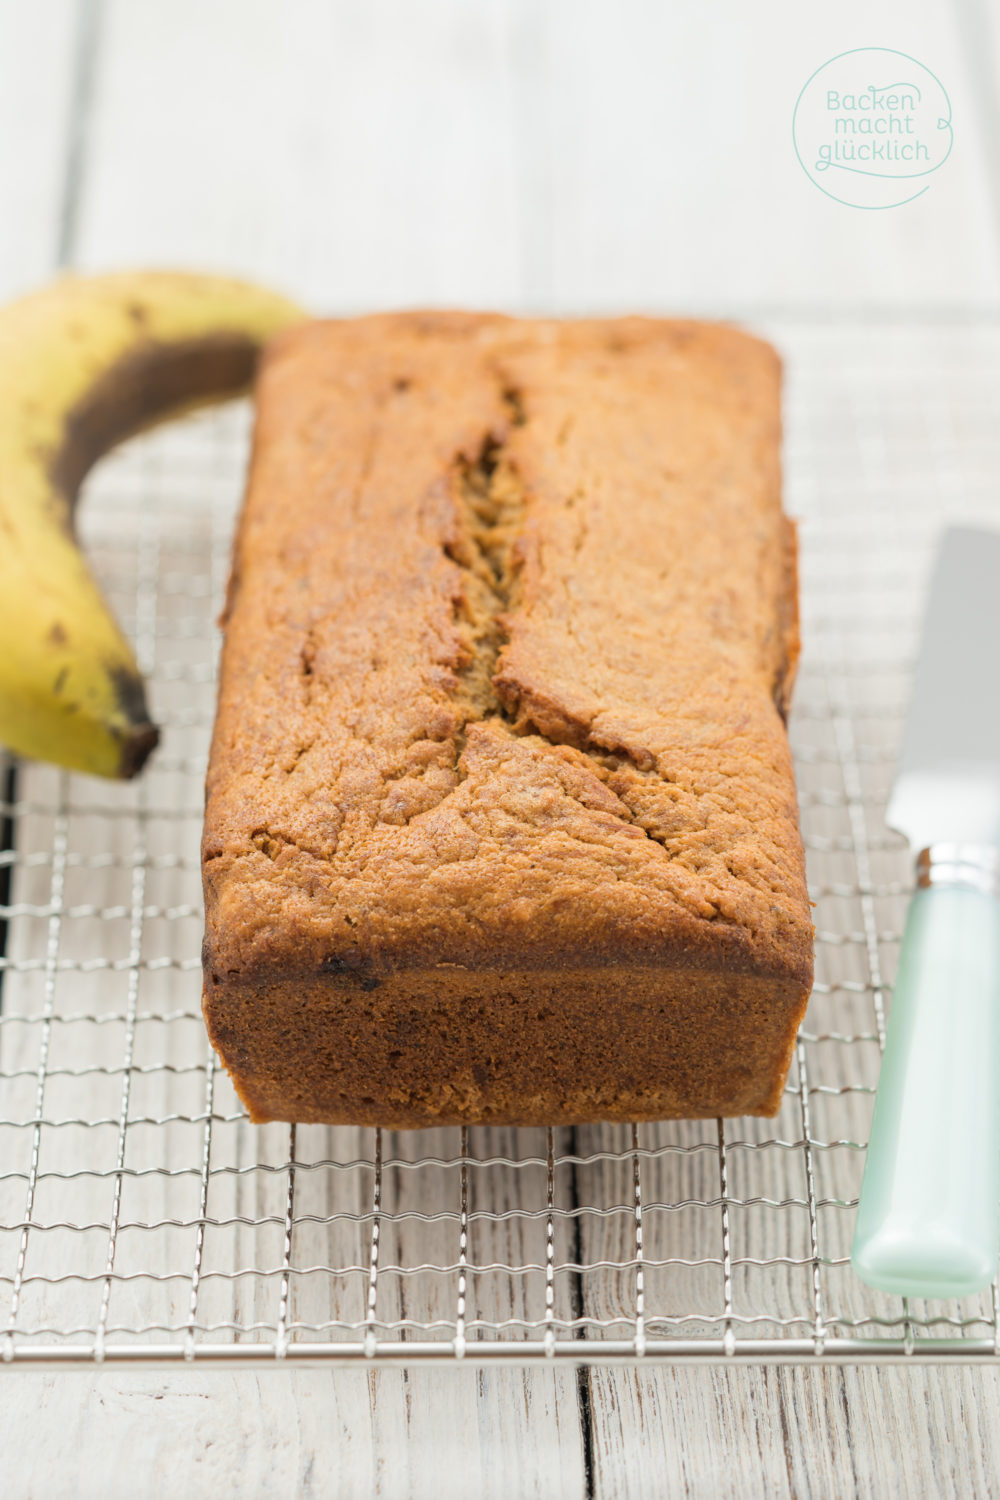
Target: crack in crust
x=490 y=508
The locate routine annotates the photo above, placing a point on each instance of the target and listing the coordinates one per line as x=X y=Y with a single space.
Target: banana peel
x=84 y=363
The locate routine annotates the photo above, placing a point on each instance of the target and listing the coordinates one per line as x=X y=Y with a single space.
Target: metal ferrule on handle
x=974 y=865
x=929 y=1214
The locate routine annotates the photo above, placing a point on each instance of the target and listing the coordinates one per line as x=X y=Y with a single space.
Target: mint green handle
x=929 y=1217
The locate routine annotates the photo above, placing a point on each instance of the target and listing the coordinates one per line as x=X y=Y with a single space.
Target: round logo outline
x=859 y=171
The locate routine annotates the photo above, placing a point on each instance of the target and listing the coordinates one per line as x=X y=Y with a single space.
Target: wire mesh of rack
x=143 y=1218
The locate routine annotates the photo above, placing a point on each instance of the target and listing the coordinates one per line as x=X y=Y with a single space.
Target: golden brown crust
x=509 y=641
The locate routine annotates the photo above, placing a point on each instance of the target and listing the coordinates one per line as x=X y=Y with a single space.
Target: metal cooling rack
x=143 y=1219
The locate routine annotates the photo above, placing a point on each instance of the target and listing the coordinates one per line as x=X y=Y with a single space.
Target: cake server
x=929 y=1216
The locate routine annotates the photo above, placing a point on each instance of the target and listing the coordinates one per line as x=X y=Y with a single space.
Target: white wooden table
x=525 y=154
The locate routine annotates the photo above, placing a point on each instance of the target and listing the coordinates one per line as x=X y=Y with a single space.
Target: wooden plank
x=359 y=155
x=979 y=27
x=36 y=88
x=208 y=1435
x=673 y=180
x=801 y=1433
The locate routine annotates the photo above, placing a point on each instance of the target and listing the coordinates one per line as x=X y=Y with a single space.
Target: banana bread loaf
x=501 y=822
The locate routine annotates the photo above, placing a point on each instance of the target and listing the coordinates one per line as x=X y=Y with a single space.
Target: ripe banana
x=84 y=363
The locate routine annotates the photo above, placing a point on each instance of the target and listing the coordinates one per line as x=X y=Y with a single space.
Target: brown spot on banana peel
x=142 y=736
x=152 y=381
x=137 y=747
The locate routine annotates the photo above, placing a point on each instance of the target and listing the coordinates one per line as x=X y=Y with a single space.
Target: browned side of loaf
x=501 y=821
x=551 y=1048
